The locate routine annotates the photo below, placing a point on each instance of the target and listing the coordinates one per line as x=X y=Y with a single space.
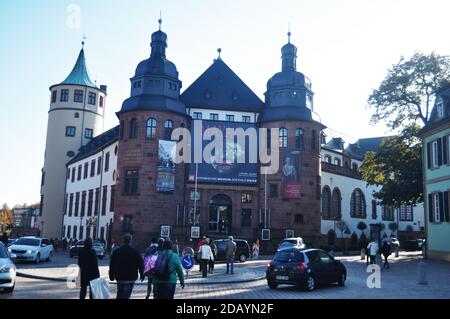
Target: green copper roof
x=80 y=74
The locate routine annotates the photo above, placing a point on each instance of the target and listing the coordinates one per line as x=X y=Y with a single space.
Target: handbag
x=99 y=288
x=149 y=263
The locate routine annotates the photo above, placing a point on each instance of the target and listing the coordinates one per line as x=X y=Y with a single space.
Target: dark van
x=242 y=249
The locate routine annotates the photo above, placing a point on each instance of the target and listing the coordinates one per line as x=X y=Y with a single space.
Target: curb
x=59 y=279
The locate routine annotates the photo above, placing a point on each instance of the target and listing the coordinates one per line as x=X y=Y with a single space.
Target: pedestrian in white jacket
x=206 y=254
x=373 y=251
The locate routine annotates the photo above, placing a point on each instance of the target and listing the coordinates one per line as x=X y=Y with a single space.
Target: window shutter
x=445 y=158
x=446 y=208
x=439 y=145
x=429 y=155
x=430 y=207
x=441 y=206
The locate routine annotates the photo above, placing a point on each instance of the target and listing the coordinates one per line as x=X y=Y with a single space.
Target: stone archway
x=220 y=214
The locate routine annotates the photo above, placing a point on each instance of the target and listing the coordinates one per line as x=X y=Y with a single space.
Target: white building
x=90 y=188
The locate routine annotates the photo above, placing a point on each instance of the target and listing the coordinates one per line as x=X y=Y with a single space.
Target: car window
x=220 y=245
x=313 y=257
x=288 y=256
x=28 y=242
x=46 y=242
x=288 y=242
x=3 y=253
x=324 y=258
x=240 y=244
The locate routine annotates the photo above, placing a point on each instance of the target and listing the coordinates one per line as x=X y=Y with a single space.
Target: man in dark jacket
x=87 y=261
x=125 y=265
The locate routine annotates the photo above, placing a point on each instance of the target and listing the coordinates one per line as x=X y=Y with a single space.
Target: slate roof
x=80 y=73
x=359 y=149
x=220 y=88
x=434 y=121
x=97 y=144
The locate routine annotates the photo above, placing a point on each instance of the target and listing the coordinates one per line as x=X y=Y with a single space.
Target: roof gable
x=220 y=88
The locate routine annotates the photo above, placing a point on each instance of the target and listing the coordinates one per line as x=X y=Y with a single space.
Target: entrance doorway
x=220 y=214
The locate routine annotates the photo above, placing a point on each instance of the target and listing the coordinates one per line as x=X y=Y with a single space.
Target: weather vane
x=289 y=33
x=160 y=20
x=84 y=40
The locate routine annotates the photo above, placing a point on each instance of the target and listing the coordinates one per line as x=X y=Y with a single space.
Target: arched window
x=336 y=204
x=299 y=138
x=150 y=131
x=354 y=166
x=326 y=202
x=337 y=161
x=168 y=126
x=358 y=204
x=327 y=158
x=283 y=137
x=133 y=128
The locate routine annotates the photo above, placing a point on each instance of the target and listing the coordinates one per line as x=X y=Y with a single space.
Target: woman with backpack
x=167 y=269
x=150 y=255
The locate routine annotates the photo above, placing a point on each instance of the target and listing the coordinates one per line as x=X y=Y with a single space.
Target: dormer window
x=440 y=108
x=137 y=84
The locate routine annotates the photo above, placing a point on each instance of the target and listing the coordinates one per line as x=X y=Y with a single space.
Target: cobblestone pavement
x=401 y=281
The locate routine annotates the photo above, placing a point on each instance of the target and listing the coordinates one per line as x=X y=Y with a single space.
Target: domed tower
x=77 y=107
x=293 y=193
x=150 y=187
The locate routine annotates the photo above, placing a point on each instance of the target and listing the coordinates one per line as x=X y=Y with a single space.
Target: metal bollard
x=422 y=271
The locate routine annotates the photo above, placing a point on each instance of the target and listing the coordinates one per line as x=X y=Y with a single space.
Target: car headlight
x=10 y=250
x=5 y=270
x=30 y=251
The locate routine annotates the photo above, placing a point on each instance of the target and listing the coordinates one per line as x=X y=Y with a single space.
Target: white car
x=32 y=249
x=287 y=243
x=7 y=270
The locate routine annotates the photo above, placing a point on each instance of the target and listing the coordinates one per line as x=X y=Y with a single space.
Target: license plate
x=282 y=278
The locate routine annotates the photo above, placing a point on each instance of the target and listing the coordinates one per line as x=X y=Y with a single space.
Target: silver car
x=287 y=243
x=7 y=270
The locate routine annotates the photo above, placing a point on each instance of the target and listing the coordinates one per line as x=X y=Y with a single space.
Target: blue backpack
x=161 y=270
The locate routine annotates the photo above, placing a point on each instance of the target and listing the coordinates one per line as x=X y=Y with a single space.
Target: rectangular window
x=127 y=225
x=54 y=96
x=273 y=190
x=99 y=165
x=246 y=220
x=97 y=201
x=246 y=119
x=93 y=168
x=70 y=131
x=214 y=117
x=78 y=96
x=69 y=228
x=86 y=170
x=92 y=98
x=131 y=182
x=68 y=174
x=104 y=197
x=387 y=213
x=197 y=116
x=246 y=197
x=80 y=236
x=435 y=154
x=437 y=208
x=66 y=202
x=107 y=162
x=77 y=204
x=101 y=101
x=74 y=232
x=229 y=118
x=64 y=95
x=73 y=174
x=83 y=203
x=70 y=204
x=79 y=172
x=406 y=213
x=88 y=133
x=112 y=198
x=374 y=209
x=90 y=201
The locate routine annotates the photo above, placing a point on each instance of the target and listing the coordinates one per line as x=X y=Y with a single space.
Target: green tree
x=405 y=96
x=397 y=168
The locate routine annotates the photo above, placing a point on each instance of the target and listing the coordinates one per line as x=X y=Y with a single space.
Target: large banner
x=166 y=166
x=226 y=173
x=291 y=174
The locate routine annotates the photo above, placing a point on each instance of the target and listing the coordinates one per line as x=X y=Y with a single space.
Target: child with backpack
x=167 y=269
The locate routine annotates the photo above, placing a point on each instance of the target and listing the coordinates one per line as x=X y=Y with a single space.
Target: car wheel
x=10 y=290
x=310 y=283
x=243 y=258
x=272 y=285
x=38 y=258
x=341 y=281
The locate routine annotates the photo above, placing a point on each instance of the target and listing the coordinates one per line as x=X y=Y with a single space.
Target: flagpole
x=195 y=195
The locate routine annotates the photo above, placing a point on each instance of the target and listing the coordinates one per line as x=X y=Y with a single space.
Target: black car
x=96 y=245
x=305 y=267
x=242 y=249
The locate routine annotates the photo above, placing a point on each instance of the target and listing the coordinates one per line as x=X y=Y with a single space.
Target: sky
x=345 y=47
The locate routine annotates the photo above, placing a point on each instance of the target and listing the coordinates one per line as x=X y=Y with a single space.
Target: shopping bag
x=149 y=263
x=100 y=288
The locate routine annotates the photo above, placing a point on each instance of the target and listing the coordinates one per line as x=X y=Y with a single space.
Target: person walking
x=125 y=266
x=386 y=252
x=150 y=251
x=87 y=261
x=64 y=242
x=230 y=251
x=164 y=286
x=200 y=244
x=211 y=261
x=205 y=254
x=373 y=251
x=255 y=249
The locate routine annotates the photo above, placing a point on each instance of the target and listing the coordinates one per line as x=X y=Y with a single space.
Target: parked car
x=98 y=247
x=287 y=243
x=305 y=267
x=242 y=249
x=7 y=270
x=32 y=249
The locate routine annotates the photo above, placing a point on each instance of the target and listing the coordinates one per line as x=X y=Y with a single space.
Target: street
x=401 y=281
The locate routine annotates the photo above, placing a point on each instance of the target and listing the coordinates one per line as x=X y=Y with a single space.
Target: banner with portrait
x=291 y=173
x=166 y=166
